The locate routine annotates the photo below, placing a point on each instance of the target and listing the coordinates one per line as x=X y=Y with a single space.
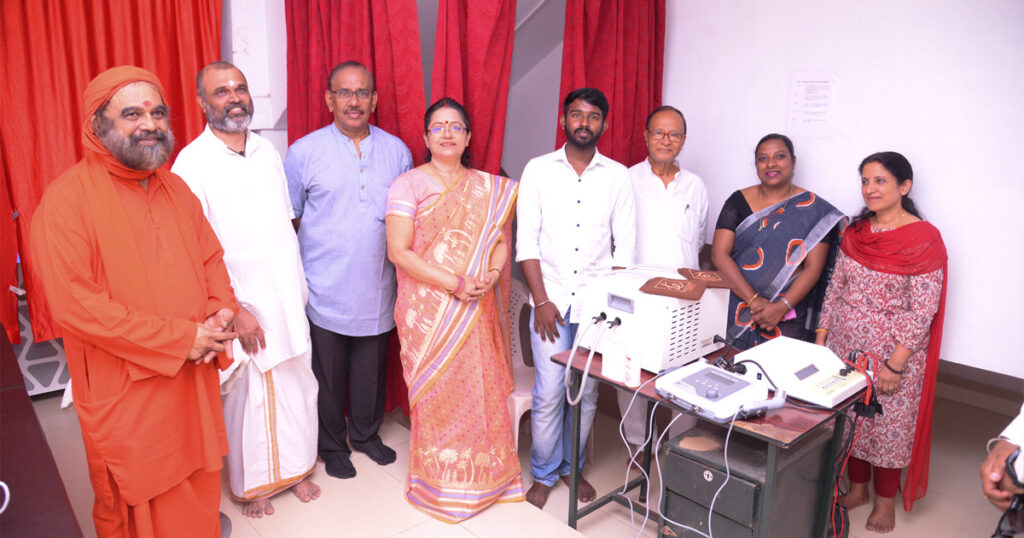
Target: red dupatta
x=914 y=249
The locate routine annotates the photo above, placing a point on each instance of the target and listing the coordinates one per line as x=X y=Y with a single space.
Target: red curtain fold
x=51 y=50
x=472 y=64
x=8 y=258
x=383 y=35
x=618 y=47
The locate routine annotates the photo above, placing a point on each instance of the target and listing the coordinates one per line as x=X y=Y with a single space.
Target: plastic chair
x=521 y=399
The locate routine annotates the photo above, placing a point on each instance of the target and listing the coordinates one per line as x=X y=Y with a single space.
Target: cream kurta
x=271 y=414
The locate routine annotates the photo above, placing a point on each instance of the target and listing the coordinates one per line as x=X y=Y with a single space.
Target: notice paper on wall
x=812 y=97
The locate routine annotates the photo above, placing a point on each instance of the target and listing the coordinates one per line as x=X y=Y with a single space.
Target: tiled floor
x=372 y=504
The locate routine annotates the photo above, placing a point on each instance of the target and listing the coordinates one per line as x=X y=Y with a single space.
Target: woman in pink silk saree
x=444 y=225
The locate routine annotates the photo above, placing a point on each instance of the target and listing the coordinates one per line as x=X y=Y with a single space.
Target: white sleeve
x=1014 y=432
x=528 y=215
x=191 y=178
x=624 y=225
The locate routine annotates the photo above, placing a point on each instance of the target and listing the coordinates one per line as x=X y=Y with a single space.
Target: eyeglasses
x=454 y=128
x=1012 y=522
x=674 y=136
x=346 y=94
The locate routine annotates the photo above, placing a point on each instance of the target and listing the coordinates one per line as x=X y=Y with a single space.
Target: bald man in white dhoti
x=270 y=402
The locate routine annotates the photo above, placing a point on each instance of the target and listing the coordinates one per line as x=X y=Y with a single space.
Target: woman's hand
x=768 y=315
x=491 y=278
x=471 y=290
x=887 y=381
x=820 y=336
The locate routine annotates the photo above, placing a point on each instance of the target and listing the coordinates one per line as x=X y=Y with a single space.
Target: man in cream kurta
x=270 y=402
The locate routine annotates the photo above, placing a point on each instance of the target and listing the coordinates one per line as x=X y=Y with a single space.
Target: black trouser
x=350 y=372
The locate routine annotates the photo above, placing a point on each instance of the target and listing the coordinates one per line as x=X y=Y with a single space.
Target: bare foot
x=585 y=492
x=858 y=495
x=883 y=516
x=538 y=494
x=257 y=508
x=306 y=490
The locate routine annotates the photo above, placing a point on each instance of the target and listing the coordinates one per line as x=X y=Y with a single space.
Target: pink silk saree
x=461 y=456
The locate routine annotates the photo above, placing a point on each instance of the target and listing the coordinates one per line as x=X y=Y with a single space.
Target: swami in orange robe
x=129 y=271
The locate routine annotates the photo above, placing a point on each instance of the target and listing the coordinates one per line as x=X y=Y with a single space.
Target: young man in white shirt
x=574 y=204
x=672 y=217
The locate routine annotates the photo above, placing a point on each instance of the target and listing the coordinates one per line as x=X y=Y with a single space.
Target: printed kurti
x=871 y=311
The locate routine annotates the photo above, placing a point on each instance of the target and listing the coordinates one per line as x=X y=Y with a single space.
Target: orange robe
x=128 y=272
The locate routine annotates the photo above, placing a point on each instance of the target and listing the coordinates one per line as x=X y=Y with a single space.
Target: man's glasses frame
x=345 y=94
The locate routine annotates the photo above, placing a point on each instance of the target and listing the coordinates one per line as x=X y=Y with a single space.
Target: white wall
x=532 y=114
x=254 y=38
x=937 y=80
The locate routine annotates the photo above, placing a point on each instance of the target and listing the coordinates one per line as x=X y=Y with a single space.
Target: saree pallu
x=461 y=456
x=769 y=249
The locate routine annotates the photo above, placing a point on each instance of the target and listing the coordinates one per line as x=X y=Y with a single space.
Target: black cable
x=763 y=371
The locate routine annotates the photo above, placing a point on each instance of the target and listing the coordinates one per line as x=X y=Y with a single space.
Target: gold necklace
x=459 y=174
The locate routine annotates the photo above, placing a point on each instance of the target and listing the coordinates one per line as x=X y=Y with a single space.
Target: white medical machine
x=661 y=332
x=804 y=370
x=715 y=394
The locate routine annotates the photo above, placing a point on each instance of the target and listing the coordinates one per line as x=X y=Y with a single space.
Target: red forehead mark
x=146 y=102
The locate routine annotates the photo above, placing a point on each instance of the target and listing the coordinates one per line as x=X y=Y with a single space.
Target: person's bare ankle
x=538 y=494
x=883 y=515
x=857 y=496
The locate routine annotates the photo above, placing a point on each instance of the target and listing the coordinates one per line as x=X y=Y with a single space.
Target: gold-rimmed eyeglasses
x=346 y=94
x=454 y=128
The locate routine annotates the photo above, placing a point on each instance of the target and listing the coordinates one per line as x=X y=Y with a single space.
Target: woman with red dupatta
x=444 y=236
x=887 y=298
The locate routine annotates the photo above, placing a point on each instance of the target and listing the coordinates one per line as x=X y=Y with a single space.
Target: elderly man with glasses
x=671 y=222
x=338 y=180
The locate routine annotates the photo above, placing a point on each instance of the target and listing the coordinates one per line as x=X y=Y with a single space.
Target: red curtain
x=383 y=35
x=472 y=63
x=51 y=50
x=8 y=258
x=618 y=47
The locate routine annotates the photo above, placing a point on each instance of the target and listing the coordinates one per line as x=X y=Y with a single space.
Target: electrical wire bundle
x=867 y=408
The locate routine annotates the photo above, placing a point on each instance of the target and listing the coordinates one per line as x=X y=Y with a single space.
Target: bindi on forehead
x=147 y=103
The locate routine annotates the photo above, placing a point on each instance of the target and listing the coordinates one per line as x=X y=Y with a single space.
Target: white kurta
x=270 y=412
x=671 y=222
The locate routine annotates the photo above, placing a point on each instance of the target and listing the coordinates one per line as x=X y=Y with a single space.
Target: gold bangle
x=495 y=269
x=821 y=330
x=754 y=298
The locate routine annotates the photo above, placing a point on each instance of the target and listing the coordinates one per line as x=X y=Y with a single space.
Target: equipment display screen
x=806 y=372
x=720 y=378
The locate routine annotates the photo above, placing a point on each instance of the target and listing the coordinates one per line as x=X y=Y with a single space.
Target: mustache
x=354 y=109
x=583 y=130
x=238 y=104
x=156 y=134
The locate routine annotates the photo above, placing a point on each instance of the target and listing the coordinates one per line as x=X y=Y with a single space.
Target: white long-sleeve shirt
x=671 y=222
x=576 y=226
